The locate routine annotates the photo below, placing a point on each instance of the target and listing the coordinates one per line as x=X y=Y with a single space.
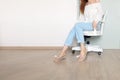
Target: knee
x=78 y=25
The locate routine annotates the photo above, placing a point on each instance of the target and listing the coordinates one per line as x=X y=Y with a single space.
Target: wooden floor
x=39 y=65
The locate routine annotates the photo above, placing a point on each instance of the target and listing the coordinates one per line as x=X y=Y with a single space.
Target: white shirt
x=92 y=12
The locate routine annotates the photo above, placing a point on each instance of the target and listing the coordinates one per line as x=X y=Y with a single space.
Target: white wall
x=35 y=22
x=48 y=22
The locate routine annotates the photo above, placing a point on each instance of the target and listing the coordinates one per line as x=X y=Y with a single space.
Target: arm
x=98 y=16
x=81 y=18
x=94 y=23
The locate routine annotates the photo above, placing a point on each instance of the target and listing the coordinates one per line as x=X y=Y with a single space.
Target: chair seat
x=92 y=33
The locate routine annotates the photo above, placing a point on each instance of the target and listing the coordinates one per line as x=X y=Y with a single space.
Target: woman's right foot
x=58 y=58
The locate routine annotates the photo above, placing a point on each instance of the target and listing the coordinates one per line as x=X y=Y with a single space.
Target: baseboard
x=30 y=47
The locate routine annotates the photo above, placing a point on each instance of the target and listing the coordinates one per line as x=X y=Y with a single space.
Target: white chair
x=87 y=34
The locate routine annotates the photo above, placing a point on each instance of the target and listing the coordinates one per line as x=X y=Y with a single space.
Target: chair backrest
x=102 y=22
x=99 y=30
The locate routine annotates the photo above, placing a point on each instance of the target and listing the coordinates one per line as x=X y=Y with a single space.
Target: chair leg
x=99 y=53
x=73 y=51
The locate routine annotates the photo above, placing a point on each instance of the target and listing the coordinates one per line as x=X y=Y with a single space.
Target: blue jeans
x=77 y=31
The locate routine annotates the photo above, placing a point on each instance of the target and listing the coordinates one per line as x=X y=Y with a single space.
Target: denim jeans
x=77 y=31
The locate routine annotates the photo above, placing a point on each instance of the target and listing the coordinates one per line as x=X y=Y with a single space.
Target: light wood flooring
x=39 y=65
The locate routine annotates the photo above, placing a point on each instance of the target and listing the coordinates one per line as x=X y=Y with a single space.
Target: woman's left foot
x=83 y=56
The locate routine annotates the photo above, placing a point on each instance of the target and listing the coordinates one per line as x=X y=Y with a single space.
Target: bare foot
x=83 y=55
x=58 y=59
x=82 y=58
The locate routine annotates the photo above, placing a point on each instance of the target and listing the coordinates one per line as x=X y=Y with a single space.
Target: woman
x=91 y=11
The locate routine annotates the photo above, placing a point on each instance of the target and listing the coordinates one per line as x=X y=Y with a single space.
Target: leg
x=68 y=42
x=80 y=37
x=83 y=52
x=61 y=55
x=63 y=52
x=78 y=32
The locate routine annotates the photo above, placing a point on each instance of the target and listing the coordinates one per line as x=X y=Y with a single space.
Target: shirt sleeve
x=81 y=18
x=99 y=13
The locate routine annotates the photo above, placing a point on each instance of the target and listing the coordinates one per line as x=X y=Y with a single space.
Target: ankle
x=83 y=52
x=62 y=55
